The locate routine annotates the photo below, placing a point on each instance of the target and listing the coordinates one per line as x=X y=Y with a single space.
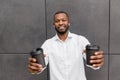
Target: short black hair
x=58 y=12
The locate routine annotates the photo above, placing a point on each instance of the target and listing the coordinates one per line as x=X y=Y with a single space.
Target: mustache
x=62 y=25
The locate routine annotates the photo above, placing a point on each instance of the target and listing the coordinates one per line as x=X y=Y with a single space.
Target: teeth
x=61 y=27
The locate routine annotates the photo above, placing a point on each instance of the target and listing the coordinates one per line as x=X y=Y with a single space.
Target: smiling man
x=65 y=52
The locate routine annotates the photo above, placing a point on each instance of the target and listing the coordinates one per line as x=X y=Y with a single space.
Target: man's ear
x=68 y=24
x=53 y=24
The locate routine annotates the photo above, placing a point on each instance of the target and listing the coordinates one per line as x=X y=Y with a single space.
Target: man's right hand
x=33 y=67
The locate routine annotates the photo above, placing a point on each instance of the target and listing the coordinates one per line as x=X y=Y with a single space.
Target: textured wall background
x=26 y=24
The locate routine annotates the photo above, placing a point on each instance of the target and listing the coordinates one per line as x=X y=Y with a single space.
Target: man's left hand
x=97 y=60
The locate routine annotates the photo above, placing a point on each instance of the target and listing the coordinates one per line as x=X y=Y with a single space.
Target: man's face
x=61 y=23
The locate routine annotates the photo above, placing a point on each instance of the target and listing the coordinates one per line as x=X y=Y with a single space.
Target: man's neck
x=63 y=37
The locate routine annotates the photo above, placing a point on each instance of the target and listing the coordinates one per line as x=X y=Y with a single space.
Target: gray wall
x=26 y=24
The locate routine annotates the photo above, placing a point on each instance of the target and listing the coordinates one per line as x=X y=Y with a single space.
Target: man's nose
x=61 y=22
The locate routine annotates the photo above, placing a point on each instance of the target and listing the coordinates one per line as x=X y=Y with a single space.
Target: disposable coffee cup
x=90 y=51
x=38 y=55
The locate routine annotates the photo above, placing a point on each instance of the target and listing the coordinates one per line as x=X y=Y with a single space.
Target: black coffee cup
x=90 y=50
x=38 y=55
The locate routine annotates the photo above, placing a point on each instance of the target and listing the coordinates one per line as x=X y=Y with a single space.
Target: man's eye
x=63 y=20
x=56 y=21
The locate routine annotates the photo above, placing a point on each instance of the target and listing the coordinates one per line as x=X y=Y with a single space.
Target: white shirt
x=65 y=58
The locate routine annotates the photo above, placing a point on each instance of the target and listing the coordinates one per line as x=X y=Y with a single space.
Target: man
x=65 y=52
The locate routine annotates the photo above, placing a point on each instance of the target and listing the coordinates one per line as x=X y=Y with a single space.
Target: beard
x=60 y=31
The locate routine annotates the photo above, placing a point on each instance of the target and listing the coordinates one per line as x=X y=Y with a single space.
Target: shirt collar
x=69 y=36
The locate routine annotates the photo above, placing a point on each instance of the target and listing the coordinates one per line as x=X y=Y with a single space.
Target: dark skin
x=61 y=25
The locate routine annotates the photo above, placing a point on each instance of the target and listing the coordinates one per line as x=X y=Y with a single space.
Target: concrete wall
x=26 y=24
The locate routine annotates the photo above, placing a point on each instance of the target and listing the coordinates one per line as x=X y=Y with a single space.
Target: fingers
x=33 y=67
x=98 y=65
x=31 y=60
x=98 y=55
x=97 y=60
